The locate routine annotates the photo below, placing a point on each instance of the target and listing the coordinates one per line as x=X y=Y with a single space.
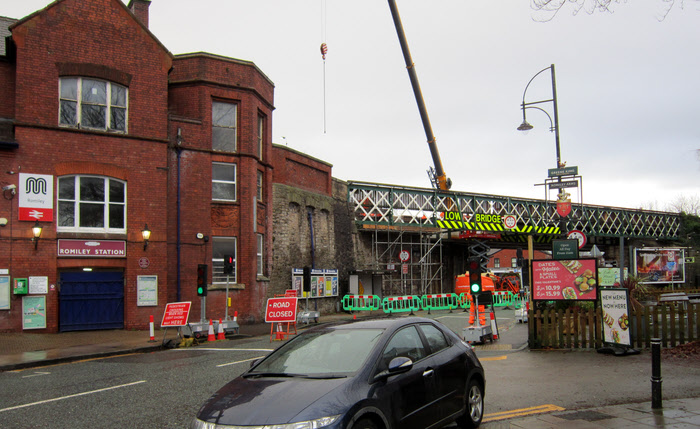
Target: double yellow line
x=548 y=408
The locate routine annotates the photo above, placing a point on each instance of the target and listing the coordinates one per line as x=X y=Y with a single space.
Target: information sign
x=146 y=291
x=565 y=249
x=570 y=280
x=564 y=171
x=34 y=312
x=4 y=292
x=615 y=306
x=176 y=314
x=281 y=310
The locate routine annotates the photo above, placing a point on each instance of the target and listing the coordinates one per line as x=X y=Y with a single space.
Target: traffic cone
x=235 y=316
x=280 y=334
x=220 y=334
x=210 y=336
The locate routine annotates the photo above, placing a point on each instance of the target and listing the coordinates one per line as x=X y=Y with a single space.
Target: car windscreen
x=331 y=351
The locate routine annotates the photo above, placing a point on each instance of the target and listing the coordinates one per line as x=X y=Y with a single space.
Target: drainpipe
x=313 y=248
x=178 y=150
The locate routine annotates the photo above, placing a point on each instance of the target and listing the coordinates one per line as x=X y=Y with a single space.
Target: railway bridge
x=440 y=229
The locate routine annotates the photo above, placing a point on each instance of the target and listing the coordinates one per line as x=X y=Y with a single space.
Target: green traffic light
x=476 y=288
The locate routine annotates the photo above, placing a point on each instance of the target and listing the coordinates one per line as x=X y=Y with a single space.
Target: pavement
x=29 y=350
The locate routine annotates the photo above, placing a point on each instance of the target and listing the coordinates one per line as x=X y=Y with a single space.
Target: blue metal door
x=91 y=300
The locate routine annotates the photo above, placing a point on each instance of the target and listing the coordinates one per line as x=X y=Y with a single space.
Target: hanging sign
x=35 y=197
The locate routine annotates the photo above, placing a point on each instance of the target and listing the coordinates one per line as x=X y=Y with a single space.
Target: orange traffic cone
x=210 y=336
x=220 y=334
x=280 y=334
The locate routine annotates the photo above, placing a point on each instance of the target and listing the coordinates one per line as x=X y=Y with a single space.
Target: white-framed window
x=91 y=204
x=261 y=135
x=513 y=262
x=260 y=186
x=496 y=262
x=93 y=104
x=260 y=254
x=223 y=246
x=224 y=119
x=223 y=178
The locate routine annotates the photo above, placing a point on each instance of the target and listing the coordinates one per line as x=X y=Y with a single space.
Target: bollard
x=656 y=373
x=153 y=335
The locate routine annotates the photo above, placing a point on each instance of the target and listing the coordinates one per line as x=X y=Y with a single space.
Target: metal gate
x=91 y=300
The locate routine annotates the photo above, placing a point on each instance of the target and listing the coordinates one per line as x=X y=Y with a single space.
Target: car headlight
x=310 y=424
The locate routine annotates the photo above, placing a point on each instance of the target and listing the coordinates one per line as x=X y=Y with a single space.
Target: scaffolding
x=422 y=272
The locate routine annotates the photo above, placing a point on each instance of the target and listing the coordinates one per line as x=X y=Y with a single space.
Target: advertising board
x=660 y=265
x=615 y=306
x=324 y=283
x=564 y=280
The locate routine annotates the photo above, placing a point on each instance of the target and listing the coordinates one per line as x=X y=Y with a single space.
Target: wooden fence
x=582 y=329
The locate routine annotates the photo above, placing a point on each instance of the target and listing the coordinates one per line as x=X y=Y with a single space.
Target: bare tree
x=685 y=204
x=546 y=10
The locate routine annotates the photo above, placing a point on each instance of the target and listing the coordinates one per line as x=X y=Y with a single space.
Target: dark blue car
x=401 y=372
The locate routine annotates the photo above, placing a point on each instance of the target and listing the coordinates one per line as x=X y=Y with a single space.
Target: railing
x=574 y=329
x=397 y=206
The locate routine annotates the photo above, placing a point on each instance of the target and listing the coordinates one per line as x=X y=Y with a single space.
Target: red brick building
x=104 y=134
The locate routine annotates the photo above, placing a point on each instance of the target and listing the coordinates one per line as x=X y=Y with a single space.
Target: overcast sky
x=628 y=88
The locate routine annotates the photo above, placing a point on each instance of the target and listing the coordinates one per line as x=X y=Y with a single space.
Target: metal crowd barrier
x=442 y=301
x=361 y=303
x=397 y=304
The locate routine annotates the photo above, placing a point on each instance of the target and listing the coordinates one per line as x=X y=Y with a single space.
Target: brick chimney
x=140 y=9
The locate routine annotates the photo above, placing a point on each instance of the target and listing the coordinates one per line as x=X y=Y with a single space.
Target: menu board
x=615 y=305
x=564 y=280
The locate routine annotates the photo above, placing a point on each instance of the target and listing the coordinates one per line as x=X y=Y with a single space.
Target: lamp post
x=554 y=126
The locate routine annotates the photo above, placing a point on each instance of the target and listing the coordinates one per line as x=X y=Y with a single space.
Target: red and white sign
x=176 y=314
x=35 y=197
x=510 y=222
x=404 y=268
x=577 y=235
x=281 y=310
x=404 y=255
x=92 y=248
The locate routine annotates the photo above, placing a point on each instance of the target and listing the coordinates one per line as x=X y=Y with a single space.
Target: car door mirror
x=398 y=365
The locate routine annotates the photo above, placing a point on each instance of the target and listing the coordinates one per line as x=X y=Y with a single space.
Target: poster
x=146 y=291
x=324 y=283
x=565 y=280
x=38 y=285
x=615 y=306
x=33 y=312
x=660 y=265
x=4 y=292
x=610 y=276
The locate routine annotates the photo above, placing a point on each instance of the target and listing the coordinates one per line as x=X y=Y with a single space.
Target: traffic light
x=228 y=264
x=475 y=275
x=202 y=279
x=306 y=283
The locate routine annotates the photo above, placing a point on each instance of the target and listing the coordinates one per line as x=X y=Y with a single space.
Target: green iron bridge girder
x=398 y=206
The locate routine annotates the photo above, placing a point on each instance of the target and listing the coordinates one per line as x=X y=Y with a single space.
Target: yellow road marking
x=494 y=358
x=548 y=408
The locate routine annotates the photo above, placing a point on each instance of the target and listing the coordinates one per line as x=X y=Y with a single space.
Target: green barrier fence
x=397 y=304
x=442 y=301
x=361 y=303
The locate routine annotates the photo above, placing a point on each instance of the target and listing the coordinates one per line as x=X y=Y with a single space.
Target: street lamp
x=553 y=125
x=146 y=234
x=36 y=234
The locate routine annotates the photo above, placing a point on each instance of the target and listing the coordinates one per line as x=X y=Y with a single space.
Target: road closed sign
x=281 y=310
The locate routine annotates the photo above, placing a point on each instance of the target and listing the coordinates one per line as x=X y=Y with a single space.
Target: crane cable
x=324 y=51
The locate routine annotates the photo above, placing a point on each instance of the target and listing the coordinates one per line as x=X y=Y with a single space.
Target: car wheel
x=364 y=424
x=475 y=406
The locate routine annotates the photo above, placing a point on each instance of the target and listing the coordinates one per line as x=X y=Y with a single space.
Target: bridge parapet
x=391 y=205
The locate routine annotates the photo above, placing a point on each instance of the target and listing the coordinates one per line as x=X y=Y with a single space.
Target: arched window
x=91 y=204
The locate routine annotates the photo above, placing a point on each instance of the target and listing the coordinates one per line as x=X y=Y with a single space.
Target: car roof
x=385 y=322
